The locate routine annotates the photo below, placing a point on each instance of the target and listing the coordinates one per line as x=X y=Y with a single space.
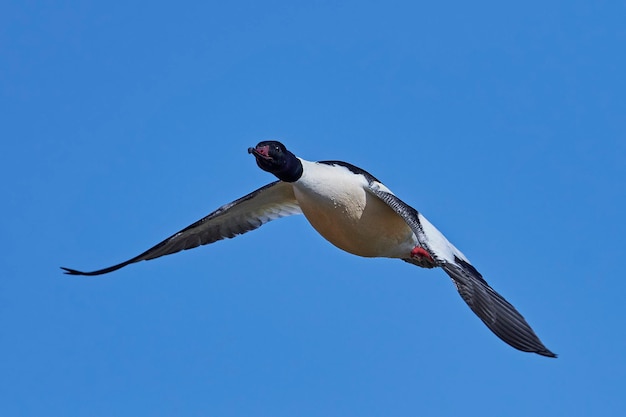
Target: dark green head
x=273 y=157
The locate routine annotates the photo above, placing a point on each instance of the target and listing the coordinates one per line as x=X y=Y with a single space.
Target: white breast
x=337 y=205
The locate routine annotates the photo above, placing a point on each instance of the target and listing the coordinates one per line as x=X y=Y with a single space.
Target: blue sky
x=122 y=123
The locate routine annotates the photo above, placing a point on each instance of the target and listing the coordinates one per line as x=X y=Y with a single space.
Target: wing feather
x=496 y=312
x=273 y=201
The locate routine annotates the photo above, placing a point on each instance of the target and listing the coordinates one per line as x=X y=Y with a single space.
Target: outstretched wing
x=247 y=213
x=497 y=313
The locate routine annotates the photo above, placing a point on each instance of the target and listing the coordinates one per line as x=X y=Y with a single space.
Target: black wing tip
x=70 y=271
x=545 y=352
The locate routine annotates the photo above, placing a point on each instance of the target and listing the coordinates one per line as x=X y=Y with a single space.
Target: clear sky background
x=123 y=122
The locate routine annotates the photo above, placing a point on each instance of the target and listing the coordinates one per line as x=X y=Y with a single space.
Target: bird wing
x=273 y=201
x=497 y=313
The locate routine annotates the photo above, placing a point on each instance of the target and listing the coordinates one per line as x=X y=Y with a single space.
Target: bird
x=357 y=213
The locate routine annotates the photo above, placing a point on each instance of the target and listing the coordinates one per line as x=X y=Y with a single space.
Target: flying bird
x=355 y=212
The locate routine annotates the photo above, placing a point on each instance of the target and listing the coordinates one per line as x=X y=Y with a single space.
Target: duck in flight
x=354 y=211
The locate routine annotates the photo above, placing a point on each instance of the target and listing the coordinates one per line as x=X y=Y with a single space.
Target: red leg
x=419 y=252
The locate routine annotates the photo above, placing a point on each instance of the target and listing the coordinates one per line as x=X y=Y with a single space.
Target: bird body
x=337 y=203
x=354 y=211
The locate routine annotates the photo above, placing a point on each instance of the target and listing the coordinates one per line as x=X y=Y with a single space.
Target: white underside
x=336 y=203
